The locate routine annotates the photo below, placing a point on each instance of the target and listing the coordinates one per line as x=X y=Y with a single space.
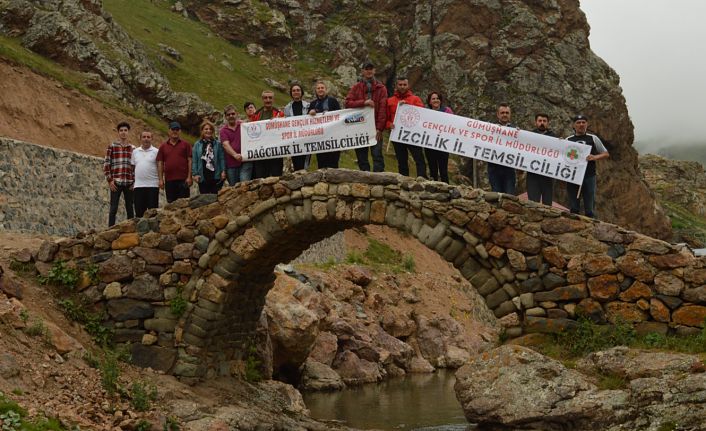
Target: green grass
x=589 y=337
x=14 y=417
x=611 y=382
x=685 y=222
x=154 y=23
x=11 y=49
x=382 y=257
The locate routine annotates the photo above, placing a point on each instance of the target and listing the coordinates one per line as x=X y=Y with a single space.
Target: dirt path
x=42 y=111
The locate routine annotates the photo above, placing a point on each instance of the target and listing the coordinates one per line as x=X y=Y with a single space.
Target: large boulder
x=441 y=341
x=292 y=327
x=517 y=387
x=320 y=377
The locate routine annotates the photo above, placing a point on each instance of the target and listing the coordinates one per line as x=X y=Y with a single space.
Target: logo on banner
x=409 y=117
x=355 y=118
x=572 y=154
x=253 y=130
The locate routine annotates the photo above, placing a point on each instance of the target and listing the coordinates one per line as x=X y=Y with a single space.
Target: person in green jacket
x=208 y=167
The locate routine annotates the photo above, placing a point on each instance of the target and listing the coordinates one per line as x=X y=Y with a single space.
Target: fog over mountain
x=655 y=46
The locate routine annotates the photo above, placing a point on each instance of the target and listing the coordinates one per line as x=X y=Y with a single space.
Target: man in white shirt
x=144 y=158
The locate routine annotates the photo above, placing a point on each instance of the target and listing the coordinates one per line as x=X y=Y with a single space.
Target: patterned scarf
x=207 y=154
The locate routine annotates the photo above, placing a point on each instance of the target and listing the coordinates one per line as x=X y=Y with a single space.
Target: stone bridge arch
x=536 y=267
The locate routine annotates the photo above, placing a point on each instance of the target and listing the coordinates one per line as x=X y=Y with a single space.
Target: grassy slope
x=200 y=70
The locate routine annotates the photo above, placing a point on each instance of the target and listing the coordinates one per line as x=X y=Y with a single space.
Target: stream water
x=415 y=402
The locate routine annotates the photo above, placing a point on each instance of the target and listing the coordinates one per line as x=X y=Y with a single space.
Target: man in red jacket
x=404 y=95
x=370 y=92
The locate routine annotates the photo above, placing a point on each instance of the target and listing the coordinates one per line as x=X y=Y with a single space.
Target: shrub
x=92 y=322
x=409 y=264
x=110 y=372
x=171 y=424
x=252 y=365
x=61 y=275
x=141 y=395
x=11 y=420
x=23 y=267
x=143 y=425
x=178 y=304
x=612 y=381
x=36 y=329
x=92 y=271
x=589 y=337
x=354 y=257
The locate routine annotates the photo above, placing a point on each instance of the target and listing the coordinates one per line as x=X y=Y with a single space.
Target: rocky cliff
x=680 y=187
x=81 y=35
x=533 y=54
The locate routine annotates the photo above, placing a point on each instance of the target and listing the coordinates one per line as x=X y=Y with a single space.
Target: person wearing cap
x=174 y=165
x=268 y=167
x=373 y=93
x=294 y=108
x=502 y=178
x=120 y=173
x=588 y=187
x=403 y=95
x=539 y=187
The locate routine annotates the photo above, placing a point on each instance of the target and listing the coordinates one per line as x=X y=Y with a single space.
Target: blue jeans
x=241 y=173
x=501 y=178
x=378 y=158
x=588 y=191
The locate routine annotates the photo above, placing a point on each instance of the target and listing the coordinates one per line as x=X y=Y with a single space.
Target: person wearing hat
x=174 y=165
x=588 y=187
x=373 y=93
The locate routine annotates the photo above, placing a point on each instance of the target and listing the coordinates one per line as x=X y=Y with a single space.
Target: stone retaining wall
x=55 y=192
x=537 y=268
x=50 y=191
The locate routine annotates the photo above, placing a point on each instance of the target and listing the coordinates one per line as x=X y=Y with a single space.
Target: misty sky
x=657 y=47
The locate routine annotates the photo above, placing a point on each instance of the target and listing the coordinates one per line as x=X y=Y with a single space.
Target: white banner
x=507 y=146
x=306 y=134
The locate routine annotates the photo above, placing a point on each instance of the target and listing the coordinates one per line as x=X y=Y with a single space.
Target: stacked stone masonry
x=51 y=191
x=538 y=268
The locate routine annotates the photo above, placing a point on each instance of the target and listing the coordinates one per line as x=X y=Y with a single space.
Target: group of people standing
x=215 y=158
x=540 y=188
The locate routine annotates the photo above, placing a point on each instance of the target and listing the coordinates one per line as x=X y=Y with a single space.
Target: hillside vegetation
x=214 y=69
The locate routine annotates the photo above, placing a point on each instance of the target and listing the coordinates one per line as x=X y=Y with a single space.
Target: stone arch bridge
x=536 y=267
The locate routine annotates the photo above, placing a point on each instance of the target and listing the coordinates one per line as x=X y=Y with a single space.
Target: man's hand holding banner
x=507 y=146
x=307 y=134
